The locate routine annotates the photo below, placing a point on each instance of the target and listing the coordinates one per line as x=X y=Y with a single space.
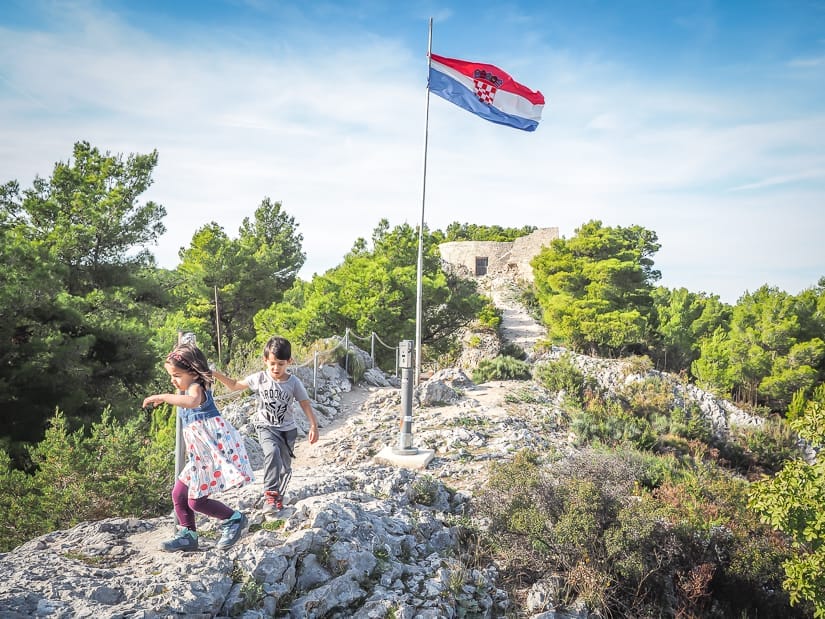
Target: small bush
x=424 y=491
x=501 y=368
x=490 y=316
x=772 y=444
x=562 y=375
x=352 y=361
x=513 y=350
x=637 y=364
x=530 y=302
x=648 y=396
x=691 y=424
x=607 y=422
x=449 y=352
x=119 y=469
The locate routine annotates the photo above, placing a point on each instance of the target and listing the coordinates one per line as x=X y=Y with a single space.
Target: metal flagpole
x=420 y=271
x=218 y=325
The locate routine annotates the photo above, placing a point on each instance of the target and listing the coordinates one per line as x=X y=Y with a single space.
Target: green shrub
x=791 y=502
x=352 y=361
x=530 y=302
x=637 y=364
x=606 y=421
x=563 y=375
x=424 y=490
x=449 y=352
x=797 y=406
x=22 y=513
x=490 y=316
x=648 y=396
x=772 y=444
x=513 y=350
x=691 y=424
x=501 y=368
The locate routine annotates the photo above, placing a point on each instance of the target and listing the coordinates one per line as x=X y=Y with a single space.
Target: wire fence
x=338 y=342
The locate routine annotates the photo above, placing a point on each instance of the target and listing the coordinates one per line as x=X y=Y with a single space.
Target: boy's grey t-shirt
x=274 y=401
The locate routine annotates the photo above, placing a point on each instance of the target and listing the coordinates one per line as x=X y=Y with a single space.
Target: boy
x=274 y=420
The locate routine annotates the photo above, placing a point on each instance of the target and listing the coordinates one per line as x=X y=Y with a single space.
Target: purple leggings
x=185 y=507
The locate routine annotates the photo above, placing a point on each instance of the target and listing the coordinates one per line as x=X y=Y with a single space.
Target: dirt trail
x=307 y=455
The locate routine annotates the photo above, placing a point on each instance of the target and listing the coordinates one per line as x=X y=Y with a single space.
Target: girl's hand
x=154 y=400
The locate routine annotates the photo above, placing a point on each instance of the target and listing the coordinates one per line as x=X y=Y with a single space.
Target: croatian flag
x=487 y=91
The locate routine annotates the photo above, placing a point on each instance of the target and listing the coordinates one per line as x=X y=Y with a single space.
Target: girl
x=216 y=453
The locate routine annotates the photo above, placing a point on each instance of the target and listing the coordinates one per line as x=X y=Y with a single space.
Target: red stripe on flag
x=469 y=69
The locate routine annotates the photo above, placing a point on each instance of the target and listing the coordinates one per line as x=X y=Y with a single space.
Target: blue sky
x=703 y=121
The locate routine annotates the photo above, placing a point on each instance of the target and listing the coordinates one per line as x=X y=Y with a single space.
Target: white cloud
x=337 y=133
x=807 y=63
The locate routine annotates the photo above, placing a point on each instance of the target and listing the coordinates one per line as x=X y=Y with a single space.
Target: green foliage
x=792 y=502
x=637 y=364
x=561 y=375
x=88 y=216
x=374 y=290
x=771 y=350
x=121 y=469
x=607 y=421
x=501 y=368
x=712 y=369
x=352 y=361
x=684 y=319
x=796 y=408
x=690 y=423
x=530 y=302
x=596 y=289
x=424 y=490
x=490 y=316
x=246 y=274
x=648 y=397
x=78 y=291
x=513 y=350
x=800 y=402
x=634 y=534
x=771 y=445
x=22 y=513
x=473 y=232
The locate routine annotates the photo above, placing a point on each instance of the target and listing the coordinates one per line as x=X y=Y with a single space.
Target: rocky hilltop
x=357 y=539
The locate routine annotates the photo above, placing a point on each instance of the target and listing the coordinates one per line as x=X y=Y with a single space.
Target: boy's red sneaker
x=273 y=503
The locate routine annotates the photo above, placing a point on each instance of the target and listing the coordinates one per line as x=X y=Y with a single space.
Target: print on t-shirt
x=275 y=403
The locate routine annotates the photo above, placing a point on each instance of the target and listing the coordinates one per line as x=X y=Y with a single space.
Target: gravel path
x=517 y=326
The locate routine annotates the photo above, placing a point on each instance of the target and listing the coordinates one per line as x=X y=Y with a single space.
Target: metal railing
x=339 y=342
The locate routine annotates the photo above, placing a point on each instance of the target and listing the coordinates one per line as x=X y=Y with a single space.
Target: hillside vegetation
x=664 y=514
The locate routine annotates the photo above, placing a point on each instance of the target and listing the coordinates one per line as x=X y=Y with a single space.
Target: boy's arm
x=313 y=422
x=231 y=383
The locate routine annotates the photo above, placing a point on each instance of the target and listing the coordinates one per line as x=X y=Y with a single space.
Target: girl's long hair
x=190 y=358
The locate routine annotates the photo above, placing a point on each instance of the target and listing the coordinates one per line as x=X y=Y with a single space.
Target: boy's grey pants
x=277 y=446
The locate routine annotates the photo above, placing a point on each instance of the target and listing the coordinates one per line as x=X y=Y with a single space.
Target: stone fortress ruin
x=511 y=258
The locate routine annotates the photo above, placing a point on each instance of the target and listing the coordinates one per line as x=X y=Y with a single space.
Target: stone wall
x=464 y=254
x=526 y=248
x=512 y=258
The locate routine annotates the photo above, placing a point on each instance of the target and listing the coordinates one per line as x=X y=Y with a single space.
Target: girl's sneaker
x=186 y=540
x=232 y=529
